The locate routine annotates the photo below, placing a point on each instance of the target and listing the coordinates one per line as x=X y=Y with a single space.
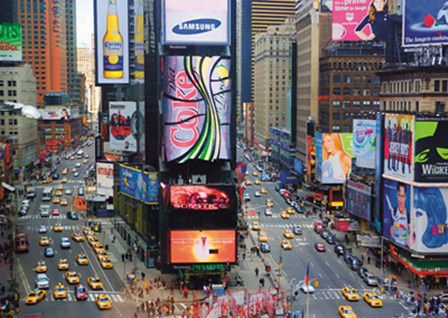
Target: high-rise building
x=72 y=72
x=8 y=13
x=86 y=66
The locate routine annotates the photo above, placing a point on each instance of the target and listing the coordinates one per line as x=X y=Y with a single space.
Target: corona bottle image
x=139 y=37
x=113 y=44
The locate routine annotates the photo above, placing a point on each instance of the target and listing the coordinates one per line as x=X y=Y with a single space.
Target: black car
x=330 y=240
x=49 y=252
x=265 y=248
x=348 y=257
x=297 y=230
x=324 y=234
x=340 y=249
x=355 y=263
x=55 y=176
x=362 y=271
x=72 y=215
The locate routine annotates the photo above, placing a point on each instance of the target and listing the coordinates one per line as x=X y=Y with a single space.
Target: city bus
x=47 y=195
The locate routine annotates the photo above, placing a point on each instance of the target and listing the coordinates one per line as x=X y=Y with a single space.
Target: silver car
x=65 y=242
x=370 y=279
x=42 y=229
x=42 y=281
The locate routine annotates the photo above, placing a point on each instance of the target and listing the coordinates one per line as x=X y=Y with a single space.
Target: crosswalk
x=64 y=228
x=27 y=217
x=331 y=294
x=286 y=225
x=115 y=297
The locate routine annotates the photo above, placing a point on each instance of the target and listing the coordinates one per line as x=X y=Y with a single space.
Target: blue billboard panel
x=142 y=186
x=396 y=207
x=364 y=135
x=359 y=199
x=425 y=22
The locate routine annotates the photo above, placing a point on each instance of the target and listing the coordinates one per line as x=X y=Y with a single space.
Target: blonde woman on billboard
x=377 y=19
x=336 y=163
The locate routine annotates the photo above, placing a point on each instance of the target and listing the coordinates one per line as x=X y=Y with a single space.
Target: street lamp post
x=291 y=282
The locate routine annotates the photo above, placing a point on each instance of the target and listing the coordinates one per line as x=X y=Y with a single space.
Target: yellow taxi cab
x=257 y=182
x=64 y=202
x=82 y=259
x=72 y=277
x=350 y=293
x=86 y=230
x=64 y=171
x=57 y=227
x=85 y=161
x=58 y=193
x=59 y=291
x=256 y=226
x=290 y=210
x=41 y=267
x=103 y=301
x=64 y=180
x=56 y=200
x=98 y=247
x=284 y=214
x=44 y=241
x=286 y=244
x=60 y=187
x=95 y=282
x=288 y=234
x=72 y=158
x=63 y=264
x=255 y=174
x=106 y=262
x=47 y=180
x=372 y=299
x=269 y=203
x=264 y=191
x=74 y=170
x=101 y=254
x=262 y=237
x=77 y=237
x=248 y=182
x=346 y=312
x=35 y=296
x=92 y=240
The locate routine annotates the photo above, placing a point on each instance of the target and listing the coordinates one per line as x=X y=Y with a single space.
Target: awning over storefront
x=424 y=267
x=8 y=187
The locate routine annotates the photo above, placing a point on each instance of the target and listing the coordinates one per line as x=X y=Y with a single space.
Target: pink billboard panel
x=359 y=20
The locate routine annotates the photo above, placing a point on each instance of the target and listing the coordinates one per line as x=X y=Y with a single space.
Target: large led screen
x=196 y=106
x=336 y=157
x=429 y=220
x=425 y=22
x=398 y=140
x=196 y=22
x=202 y=198
x=105 y=178
x=138 y=184
x=207 y=246
x=123 y=124
x=396 y=211
x=318 y=151
x=364 y=136
x=11 y=42
x=311 y=157
x=359 y=199
x=431 y=150
x=359 y=20
x=112 y=41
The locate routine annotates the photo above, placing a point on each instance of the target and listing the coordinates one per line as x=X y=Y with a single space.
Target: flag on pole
x=240 y=171
x=307 y=276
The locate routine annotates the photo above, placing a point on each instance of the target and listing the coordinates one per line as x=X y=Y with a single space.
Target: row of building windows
x=355 y=103
x=10 y=83
x=356 y=66
x=10 y=93
x=347 y=91
x=10 y=121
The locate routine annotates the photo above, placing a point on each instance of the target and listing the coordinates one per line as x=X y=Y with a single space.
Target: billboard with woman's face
x=337 y=150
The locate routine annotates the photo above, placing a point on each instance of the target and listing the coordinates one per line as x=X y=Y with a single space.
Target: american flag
x=240 y=171
x=307 y=276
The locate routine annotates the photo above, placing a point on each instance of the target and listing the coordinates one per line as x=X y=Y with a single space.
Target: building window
x=440 y=106
x=356 y=91
x=347 y=91
x=336 y=103
x=356 y=103
x=336 y=91
x=347 y=79
x=336 y=116
x=346 y=128
x=366 y=103
x=336 y=78
x=346 y=116
x=376 y=80
x=376 y=103
x=366 y=92
x=356 y=79
x=436 y=86
x=346 y=104
x=444 y=85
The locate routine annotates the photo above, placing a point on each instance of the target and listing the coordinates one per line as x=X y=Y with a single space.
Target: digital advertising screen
x=139 y=41
x=143 y=186
x=207 y=246
x=123 y=124
x=431 y=150
x=62 y=114
x=196 y=106
x=112 y=41
x=318 y=151
x=429 y=220
x=364 y=137
x=425 y=22
x=377 y=215
x=311 y=157
x=364 y=20
x=196 y=22
x=359 y=199
x=398 y=140
x=11 y=42
x=396 y=211
x=202 y=198
x=336 y=152
x=105 y=178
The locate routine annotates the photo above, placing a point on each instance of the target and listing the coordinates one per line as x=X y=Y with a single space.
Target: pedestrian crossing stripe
x=50 y=229
x=91 y=297
x=287 y=225
x=27 y=217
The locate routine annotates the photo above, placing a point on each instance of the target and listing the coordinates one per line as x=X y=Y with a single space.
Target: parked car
x=355 y=263
x=340 y=249
x=362 y=271
x=330 y=239
x=370 y=279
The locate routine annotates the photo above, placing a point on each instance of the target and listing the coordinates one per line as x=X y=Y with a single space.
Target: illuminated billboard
x=364 y=136
x=429 y=219
x=139 y=41
x=10 y=42
x=334 y=157
x=196 y=22
x=318 y=151
x=202 y=198
x=105 y=178
x=431 y=150
x=425 y=22
x=311 y=157
x=196 y=107
x=396 y=208
x=112 y=42
x=398 y=140
x=123 y=117
x=364 y=20
x=207 y=246
x=142 y=186
x=62 y=114
x=359 y=199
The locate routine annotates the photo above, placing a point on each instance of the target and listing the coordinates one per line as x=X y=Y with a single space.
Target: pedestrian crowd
x=423 y=306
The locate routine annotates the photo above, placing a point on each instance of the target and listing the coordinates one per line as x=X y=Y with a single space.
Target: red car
x=319 y=247
x=80 y=292
x=55 y=211
x=318 y=227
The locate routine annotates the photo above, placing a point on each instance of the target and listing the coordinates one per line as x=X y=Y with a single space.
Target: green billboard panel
x=10 y=42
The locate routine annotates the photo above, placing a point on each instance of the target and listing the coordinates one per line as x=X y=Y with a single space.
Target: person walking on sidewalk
x=256 y=271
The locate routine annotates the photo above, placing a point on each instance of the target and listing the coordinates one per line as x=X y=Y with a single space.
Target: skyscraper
x=7 y=13
x=72 y=73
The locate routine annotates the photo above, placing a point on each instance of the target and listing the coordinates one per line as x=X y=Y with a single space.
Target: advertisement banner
x=362 y=20
x=105 y=178
x=396 y=211
x=10 y=42
x=196 y=110
x=311 y=157
x=112 y=41
x=336 y=153
x=63 y=114
x=429 y=220
x=139 y=41
x=377 y=215
x=431 y=155
x=143 y=186
x=318 y=150
x=398 y=141
x=206 y=246
x=141 y=130
x=359 y=199
x=425 y=22
x=123 y=117
x=196 y=22
x=364 y=136
x=203 y=198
